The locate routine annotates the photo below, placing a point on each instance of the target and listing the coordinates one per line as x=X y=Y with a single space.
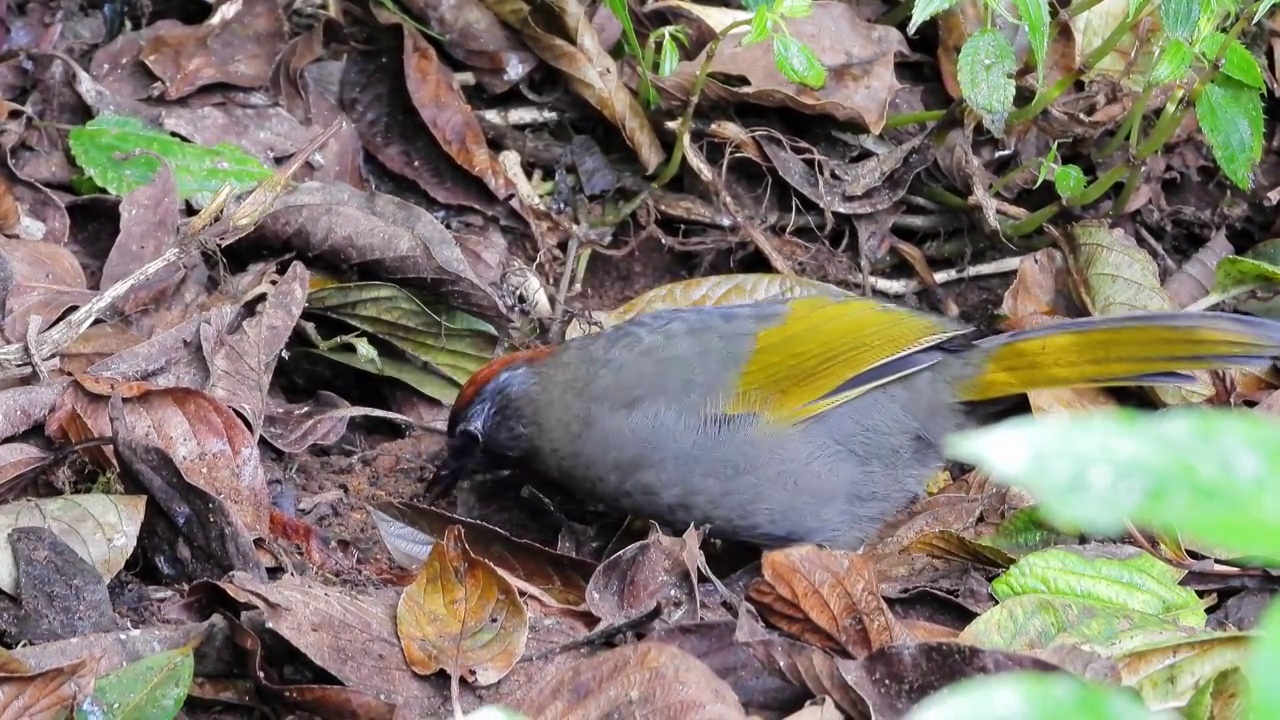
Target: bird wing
x=827 y=351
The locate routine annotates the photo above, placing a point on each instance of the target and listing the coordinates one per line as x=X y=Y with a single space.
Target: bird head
x=488 y=416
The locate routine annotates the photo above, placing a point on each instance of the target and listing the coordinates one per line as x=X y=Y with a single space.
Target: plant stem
x=916 y=118
x=1088 y=195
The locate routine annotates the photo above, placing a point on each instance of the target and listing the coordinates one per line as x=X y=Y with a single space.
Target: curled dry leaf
x=47 y=694
x=652 y=572
x=461 y=615
x=380 y=236
x=837 y=592
x=100 y=528
x=410 y=531
x=1119 y=277
x=589 y=69
x=858 y=55
x=713 y=290
x=471 y=33
x=651 y=680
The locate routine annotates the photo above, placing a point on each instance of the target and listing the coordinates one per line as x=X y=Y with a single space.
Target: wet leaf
x=153 y=688
x=120 y=154
x=462 y=616
x=798 y=63
x=985 y=71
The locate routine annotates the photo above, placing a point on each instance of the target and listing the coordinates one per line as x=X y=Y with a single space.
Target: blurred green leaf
x=1034 y=622
x=1024 y=531
x=1173 y=62
x=1068 y=180
x=1237 y=62
x=123 y=153
x=1263 y=667
x=924 y=10
x=1211 y=474
x=1234 y=271
x=793 y=8
x=1031 y=696
x=1035 y=18
x=431 y=384
x=761 y=22
x=1179 y=17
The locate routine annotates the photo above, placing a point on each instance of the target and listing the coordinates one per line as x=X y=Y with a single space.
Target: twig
x=889 y=286
x=602 y=635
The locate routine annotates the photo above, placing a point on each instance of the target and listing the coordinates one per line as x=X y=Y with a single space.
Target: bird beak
x=460 y=454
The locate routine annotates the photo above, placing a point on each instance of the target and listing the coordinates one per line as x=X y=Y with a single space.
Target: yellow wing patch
x=821 y=344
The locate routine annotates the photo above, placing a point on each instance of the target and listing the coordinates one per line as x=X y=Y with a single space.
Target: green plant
x=1195 y=63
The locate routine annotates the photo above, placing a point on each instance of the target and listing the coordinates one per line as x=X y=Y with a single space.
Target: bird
x=789 y=421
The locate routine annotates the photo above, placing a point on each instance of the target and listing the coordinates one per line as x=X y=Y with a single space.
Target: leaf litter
x=250 y=253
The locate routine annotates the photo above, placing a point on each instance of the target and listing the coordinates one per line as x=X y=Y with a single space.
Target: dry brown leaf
x=40 y=278
x=237 y=45
x=461 y=615
x=46 y=695
x=837 y=592
x=149 y=217
x=10 y=212
x=471 y=33
x=859 y=57
x=652 y=572
x=951 y=545
x=650 y=680
x=589 y=69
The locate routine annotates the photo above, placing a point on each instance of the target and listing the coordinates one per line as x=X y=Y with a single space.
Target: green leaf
x=793 y=8
x=1024 y=532
x=120 y=154
x=760 y=26
x=797 y=62
x=448 y=341
x=431 y=384
x=1179 y=17
x=985 y=71
x=1234 y=272
x=1025 y=695
x=1068 y=180
x=668 y=57
x=1167 y=671
x=1210 y=474
x=1140 y=583
x=753 y=5
x=923 y=10
x=1230 y=115
x=152 y=688
x=1035 y=17
x=1034 y=622
x=1263 y=9
x=1237 y=63
x=1173 y=63
x=1263 y=667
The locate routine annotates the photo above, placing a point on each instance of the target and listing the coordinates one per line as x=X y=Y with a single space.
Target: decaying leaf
x=461 y=615
x=101 y=528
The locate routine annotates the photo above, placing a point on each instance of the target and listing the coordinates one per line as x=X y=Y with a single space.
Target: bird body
x=805 y=420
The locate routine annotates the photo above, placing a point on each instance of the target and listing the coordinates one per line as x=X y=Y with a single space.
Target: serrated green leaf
x=1026 y=695
x=1035 y=17
x=152 y=688
x=1068 y=180
x=1140 y=583
x=1209 y=474
x=924 y=10
x=797 y=62
x=1179 y=18
x=1234 y=272
x=1230 y=115
x=1173 y=63
x=1263 y=667
x=793 y=8
x=760 y=24
x=1023 y=532
x=985 y=71
x=1035 y=622
x=1237 y=62
x=120 y=154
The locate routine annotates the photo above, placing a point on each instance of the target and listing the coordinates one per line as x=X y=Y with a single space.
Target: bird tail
x=1138 y=349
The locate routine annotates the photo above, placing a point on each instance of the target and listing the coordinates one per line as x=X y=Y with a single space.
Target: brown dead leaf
x=439 y=102
x=649 y=680
x=652 y=572
x=322 y=420
x=588 y=68
x=471 y=33
x=48 y=694
x=267 y=133
x=461 y=615
x=10 y=213
x=951 y=545
x=858 y=55
x=836 y=591
x=149 y=217
x=38 y=278
x=374 y=96
x=409 y=530
x=379 y=236
x=16 y=459
x=237 y=45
